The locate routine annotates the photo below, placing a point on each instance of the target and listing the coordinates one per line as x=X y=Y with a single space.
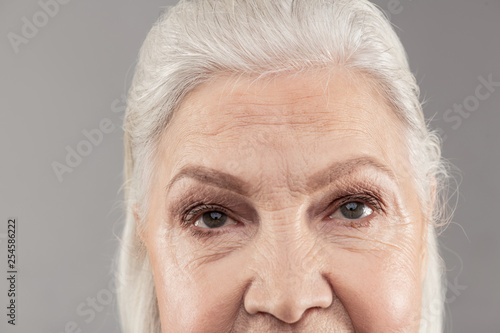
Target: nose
x=287 y=281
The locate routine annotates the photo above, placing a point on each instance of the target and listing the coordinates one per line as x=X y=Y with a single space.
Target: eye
x=352 y=210
x=213 y=219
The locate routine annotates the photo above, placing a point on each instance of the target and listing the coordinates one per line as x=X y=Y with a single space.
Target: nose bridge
x=287 y=272
x=291 y=248
x=285 y=241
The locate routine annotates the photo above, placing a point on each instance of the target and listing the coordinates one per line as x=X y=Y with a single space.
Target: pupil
x=214 y=219
x=352 y=210
x=351 y=206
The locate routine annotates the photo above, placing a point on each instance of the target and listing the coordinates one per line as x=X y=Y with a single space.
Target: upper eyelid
x=370 y=201
x=243 y=209
x=335 y=205
x=332 y=201
x=196 y=211
x=201 y=208
x=208 y=195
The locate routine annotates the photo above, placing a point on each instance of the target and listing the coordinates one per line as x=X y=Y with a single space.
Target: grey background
x=72 y=74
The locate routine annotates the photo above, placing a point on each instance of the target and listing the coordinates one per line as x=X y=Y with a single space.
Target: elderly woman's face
x=286 y=207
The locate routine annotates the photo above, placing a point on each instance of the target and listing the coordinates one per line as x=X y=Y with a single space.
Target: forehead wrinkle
x=313 y=116
x=280 y=110
x=279 y=139
x=305 y=121
x=323 y=113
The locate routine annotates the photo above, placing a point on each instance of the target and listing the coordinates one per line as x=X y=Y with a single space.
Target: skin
x=286 y=259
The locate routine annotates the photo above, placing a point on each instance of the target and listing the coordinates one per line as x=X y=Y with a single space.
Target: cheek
x=381 y=291
x=193 y=295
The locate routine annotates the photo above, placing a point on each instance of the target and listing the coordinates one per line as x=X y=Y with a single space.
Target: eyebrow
x=341 y=169
x=314 y=183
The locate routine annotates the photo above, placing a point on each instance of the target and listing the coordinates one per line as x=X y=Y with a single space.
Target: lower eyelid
x=350 y=224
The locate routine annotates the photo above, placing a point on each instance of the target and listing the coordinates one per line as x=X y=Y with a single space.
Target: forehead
x=306 y=102
x=303 y=121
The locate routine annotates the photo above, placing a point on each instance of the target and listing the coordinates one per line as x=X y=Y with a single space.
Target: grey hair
x=196 y=41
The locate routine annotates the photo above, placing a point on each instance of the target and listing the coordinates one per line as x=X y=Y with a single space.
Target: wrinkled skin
x=286 y=259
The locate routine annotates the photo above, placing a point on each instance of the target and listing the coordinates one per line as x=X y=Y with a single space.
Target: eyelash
x=193 y=212
x=190 y=214
x=364 y=198
x=369 y=200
